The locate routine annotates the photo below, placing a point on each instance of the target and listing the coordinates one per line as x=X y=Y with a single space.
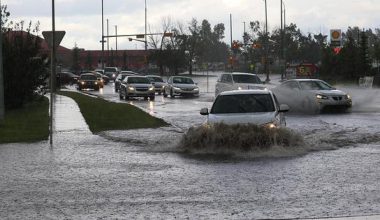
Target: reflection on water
x=151 y=107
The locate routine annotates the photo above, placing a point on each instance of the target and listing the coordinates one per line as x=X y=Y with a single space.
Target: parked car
x=180 y=86
x=136 y=86
x=121 y=77
x=237 y=81
x=67 y=78
x=311 y=95
x=258 y=107
x=158 y=83
x=88 y=81
x=111 y=72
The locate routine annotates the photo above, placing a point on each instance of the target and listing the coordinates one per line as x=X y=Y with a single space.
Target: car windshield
x=244 y=78
x=88 y=77
x=243 y=103
x=155 y=79
x=183 y=80
x=110 y=69
x=136 y=80
x=315 y=85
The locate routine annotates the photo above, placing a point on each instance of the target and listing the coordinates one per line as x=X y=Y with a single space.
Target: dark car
x=120 y=78
x=88 y=81
x=136 y=86
x=158 y=83
x=111 y=72
x=65 y=78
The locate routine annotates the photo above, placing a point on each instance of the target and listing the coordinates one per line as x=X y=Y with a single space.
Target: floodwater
x=143 y=174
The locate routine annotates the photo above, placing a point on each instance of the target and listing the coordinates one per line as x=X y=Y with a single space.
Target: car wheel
x=121 y=96
x=145 y=98
x=171 y=93
x=164 y=94
x=152 y=98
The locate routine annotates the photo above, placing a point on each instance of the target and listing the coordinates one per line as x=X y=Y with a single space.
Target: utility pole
x=282 y=46
x=108 y=42
x=102 y=37
x=117 y=57
x=146 y=42
x=266 y=70
x=116 y=36
x=52 y=75
x=2 y=102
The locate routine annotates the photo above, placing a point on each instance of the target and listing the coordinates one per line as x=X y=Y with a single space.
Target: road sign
x=335 y=37
x=140 y=36
x=48 y=35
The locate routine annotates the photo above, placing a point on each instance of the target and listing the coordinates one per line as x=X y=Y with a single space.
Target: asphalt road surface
x=142 y=174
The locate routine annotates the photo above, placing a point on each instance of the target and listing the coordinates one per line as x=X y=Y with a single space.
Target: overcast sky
x=81 y=19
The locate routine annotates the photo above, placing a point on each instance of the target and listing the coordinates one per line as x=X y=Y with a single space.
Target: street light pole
x=146 y=42
x=52 y=74
x=2 y=102
x=282 y=45
x=102 y=37
x=266 y=44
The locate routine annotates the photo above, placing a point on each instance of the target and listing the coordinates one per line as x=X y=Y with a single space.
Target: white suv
x=259 y=107
x=237 y=81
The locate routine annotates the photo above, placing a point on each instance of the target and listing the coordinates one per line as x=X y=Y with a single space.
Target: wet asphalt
x=142 y=174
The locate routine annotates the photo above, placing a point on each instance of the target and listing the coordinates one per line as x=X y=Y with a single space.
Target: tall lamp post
x=146 y=41
x=2 y=103
x=102 y=41
x=266 y=44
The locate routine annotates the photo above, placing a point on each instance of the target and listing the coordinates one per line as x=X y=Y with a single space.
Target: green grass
x=28 y=124
x=102 y=115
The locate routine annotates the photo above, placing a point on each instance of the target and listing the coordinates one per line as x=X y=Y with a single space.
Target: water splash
x=240 y=139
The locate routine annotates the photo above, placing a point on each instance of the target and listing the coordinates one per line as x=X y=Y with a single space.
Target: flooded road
x=142 y=174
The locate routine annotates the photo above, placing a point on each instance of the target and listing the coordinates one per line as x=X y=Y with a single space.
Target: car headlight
x=163 y=87
x=319 y=96
x=96 y=83
x=82 y=83
x=270 y=125
x=239 y=88
x=348 y=96
x=131 y=88
x=113 y=75
x=196 y=89
x=151 y=88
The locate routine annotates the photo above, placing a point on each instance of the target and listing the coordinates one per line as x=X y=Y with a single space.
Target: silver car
x=157 y=82
x=136 y=86
x=181 y=86
x=311 y=96
x=237 y=81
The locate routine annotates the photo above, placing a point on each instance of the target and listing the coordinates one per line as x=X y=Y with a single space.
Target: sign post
x=53 y=39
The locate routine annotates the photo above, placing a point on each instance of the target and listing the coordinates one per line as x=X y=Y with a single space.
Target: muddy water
x=141 y=173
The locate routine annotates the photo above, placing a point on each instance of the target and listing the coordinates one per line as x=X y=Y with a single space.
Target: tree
x=25 y=69
x=75 y=67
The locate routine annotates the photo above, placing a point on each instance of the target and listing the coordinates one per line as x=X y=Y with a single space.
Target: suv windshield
x=110 y=69
x=155 y=79
x=243 y=103
x=315 y=85
x=244 y=78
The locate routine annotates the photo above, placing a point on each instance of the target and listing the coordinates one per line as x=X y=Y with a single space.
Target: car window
x=315 y=85
x=88 y=77
x=155 y=79
x=245 y=78
x=141 y=80
x=182 y=80
x=243 y=103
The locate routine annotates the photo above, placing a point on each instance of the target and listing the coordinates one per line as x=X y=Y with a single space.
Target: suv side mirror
x=204 y=111
x=284 y=108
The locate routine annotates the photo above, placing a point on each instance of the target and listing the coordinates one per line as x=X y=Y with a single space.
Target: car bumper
x=140 y=94
x=332 y=103
x=185 y=92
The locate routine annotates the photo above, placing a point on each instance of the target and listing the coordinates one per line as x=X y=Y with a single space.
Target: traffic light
x=235 y=45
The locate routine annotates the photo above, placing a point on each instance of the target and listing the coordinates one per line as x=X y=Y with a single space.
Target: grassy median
x=28 y=124
x=102 y=115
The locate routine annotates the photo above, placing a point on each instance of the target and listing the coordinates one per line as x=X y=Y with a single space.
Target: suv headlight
x=270 y=125
x=131 y=88
x=319 y=96
x=196 y=88
x=348 y=96
x=151 y=88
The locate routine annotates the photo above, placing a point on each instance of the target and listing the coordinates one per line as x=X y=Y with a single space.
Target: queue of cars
x=239 y=97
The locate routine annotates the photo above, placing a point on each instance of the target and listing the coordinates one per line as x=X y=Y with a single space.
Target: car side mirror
x=284 y=108
x=204 y=111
